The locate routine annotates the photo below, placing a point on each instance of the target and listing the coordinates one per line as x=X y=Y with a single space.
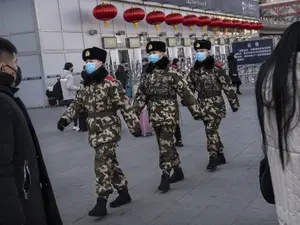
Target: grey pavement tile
x=228 y=197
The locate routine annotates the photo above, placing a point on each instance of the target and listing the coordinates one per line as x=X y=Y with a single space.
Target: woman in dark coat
x=26 y=195
x=233 y=72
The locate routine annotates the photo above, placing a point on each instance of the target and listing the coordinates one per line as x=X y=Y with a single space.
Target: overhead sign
x=237 y=7
x=133 y=42
x=252 y=52
x=172 y=42
x=109 y=42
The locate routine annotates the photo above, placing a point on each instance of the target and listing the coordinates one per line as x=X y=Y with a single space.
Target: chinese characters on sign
x=109 y=42
x=172 y=42
x=252 y=52
x=133 y=42
x=237 y=7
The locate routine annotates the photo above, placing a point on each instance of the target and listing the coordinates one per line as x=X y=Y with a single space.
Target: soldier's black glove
x=235 y=109
x=61 y=124
x=137 y=133
x=198 y=117
x=182 y=103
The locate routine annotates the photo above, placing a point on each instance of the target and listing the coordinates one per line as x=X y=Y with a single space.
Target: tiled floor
x=229 y=196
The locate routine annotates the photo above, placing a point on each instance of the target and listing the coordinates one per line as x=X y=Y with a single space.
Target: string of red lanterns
x=106 y=12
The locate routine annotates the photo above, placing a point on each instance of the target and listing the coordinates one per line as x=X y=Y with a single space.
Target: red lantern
x=252 y=26
x=215 y=24
x=134 y=15
x=236 y=24
x=155 y=18
x=105 y=12
x=259 y=26
x=190 y=21
x=204 y=21
x=174 y=19
x=245 y=25
x=227 y=24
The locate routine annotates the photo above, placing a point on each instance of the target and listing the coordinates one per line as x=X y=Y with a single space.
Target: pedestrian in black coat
x=233 y=72
x=26 y=195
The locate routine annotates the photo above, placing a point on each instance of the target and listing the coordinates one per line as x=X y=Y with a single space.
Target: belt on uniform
x=102 y=114
x=209 y=94
x=160 y=97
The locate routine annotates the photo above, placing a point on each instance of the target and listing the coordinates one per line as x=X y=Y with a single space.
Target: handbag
x=265 y=181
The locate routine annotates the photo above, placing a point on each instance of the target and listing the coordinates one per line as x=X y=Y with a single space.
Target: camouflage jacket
x=209 y=85
x=158 y=90
x=102 y=101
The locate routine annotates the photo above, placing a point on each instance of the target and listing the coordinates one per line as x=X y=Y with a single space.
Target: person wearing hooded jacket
x=158 y=90
x=69 y=90
x=209 y=80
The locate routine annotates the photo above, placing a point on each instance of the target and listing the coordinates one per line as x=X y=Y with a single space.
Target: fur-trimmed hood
x=208 y=63
x=162 y=64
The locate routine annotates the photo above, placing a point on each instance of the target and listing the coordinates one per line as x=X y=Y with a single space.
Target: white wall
x=18 y=24
x=64 y=26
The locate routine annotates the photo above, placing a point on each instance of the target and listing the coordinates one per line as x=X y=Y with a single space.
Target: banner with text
x=252 y=52
x=237 y=7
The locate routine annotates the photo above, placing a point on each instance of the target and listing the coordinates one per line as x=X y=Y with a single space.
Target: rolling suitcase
x=144 y=123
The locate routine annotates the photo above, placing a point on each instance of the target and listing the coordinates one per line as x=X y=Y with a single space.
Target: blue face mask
x=90 y=67
x=201 y=56
x=154 y=58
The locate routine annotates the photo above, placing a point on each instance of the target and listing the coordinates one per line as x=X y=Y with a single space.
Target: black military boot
x=178 y=143
x=221 y=160
x=99 y=209
x=122 y=199
x=213 y=163
x=176 y=176
x=164 y=183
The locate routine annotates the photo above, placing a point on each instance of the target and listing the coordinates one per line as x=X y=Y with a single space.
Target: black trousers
x=178 y=133
x=68 y=103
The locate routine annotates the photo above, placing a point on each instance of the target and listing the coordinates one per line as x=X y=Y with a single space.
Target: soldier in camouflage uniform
x=102 y=97
x=158 y=90
x=209 y=79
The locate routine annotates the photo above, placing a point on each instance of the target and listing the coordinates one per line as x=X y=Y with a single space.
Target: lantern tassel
x=157 y=27
x=215 y=30
x=175 y=27
x=191 y=28
x=226 y=30
x=106 y=24
x=136 y=25
x=204 y=29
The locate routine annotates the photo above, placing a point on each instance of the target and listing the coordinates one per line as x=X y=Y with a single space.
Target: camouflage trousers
x=168 y=155
x=107 y=170
x=214 y=144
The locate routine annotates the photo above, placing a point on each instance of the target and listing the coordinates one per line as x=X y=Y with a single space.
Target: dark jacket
x=122 y=76
x=26 y=195
x=233 y=71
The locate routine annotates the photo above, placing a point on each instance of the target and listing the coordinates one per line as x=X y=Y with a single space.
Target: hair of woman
x=175 y=61
x=68 y=66
x=280 y=68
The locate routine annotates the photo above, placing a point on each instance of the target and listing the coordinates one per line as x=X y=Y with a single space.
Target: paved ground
x=228 y=197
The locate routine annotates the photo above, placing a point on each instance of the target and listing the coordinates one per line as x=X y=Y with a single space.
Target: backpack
x=57 y=91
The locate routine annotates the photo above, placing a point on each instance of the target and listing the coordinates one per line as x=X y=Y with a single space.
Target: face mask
x=200 y=56
x=18 y=77
x=90 y=67
x=154 y=58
